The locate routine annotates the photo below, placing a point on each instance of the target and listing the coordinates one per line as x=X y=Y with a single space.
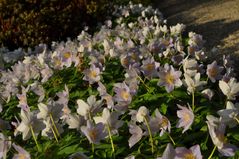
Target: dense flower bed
x=136 y=89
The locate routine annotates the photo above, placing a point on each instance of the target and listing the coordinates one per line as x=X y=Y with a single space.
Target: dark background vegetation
x=26 y=23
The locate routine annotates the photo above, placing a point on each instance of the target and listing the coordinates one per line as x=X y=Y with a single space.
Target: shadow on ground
x=216 y=20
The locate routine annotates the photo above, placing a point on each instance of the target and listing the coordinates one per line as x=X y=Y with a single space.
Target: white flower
x=193 y=84
x=92 y=106
x=5 y=145
x=142 y=114
x=109 y=119
x=230 y=89
x=22 y=154
x=29 y=121
x=74 y=121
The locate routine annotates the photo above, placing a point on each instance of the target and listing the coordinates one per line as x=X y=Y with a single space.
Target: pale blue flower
x=22 y=154
x=169 y=78
x=186 y=117
x=192 y=153
x=92 y=75
x=94 y=133
x=214 y=71
x=136 y=132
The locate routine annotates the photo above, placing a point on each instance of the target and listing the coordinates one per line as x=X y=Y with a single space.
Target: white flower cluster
x=145 y=47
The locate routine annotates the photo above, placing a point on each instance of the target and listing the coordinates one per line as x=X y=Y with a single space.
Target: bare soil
x=216 y=20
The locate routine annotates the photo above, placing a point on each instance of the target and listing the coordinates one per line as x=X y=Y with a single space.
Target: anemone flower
x=29 y=125
x=94 y=133
x=92 y=75
x=193 y=84
x=169 y=152
x=5 y=145
x=217 y=130
x=110 y=119
x=230 y=88
x=192 y=153
x=214 y=71
x=22 y=154
x=169 y=78
x=186 y=118
x=137 y=134
x=90 y=108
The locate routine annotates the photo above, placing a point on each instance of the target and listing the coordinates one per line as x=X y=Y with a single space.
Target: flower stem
x=111 y=140
x=212 y=152
x=150 y=135
x=142 y=81
x=35 y=139
x=54 y=126
x=93 y=148
x=193 y=100
x=54 y=134
x=170 y=137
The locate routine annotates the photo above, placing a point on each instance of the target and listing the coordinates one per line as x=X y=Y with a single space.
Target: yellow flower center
x=93 y=134
x=189 y=156
x=93 y=74
x=164 y=122
x=67 y=55
x=21 y=156
x=221 y=138
x=213 y=72
x=186 y=117
x=169 y=78
x=125 y=95
x=149 y=67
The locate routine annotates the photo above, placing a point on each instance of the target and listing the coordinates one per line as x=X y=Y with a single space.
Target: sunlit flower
x=110 y=119
x=74 y=121
x=186 y=118
x=193 y=84
x=90 y=108
x=122 y=96
x=230 y=88
x=192 y=153
x=177 y=29
x=92 y=74
x=94 y=133
x=169 y=78
x=230 y=115
x=142 y=114
x=190 y=66
x=149 y=68
x=214 y=71
x=217 y=130
x=22 y=154
x=23 y=99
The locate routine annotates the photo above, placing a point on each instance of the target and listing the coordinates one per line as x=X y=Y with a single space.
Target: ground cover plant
x=136 y=89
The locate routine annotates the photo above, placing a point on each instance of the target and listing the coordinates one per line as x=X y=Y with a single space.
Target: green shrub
x=26 y=23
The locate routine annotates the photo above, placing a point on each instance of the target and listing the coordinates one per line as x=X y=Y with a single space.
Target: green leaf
x=163 y=108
